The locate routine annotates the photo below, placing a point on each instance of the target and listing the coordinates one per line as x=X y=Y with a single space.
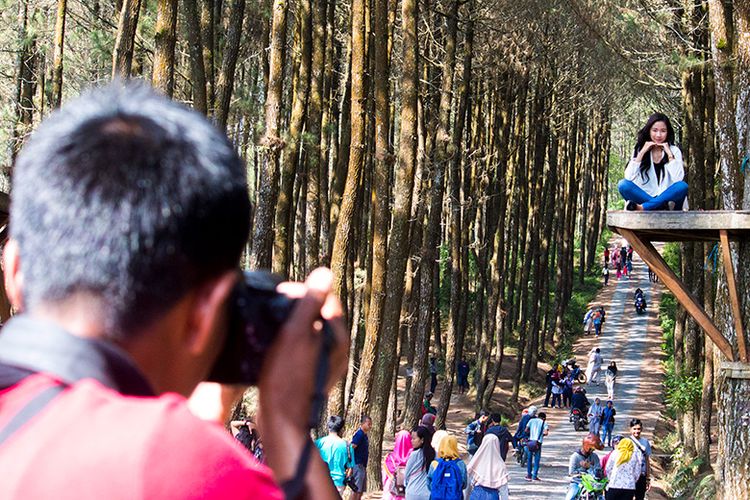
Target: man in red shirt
x=129 y=215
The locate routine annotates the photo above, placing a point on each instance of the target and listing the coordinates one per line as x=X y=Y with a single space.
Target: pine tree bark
x=346 y=220
x=284 y=213
x=122 y=55
x=59 y=45
x=165 y=39
x=195 y=49
x=225 y=79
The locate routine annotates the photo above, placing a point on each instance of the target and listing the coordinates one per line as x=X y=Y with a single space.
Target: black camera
x=256 y=313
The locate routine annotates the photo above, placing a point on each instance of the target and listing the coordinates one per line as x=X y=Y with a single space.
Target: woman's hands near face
x=645 y=149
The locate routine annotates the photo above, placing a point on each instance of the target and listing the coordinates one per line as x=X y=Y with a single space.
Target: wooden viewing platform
x=641 y=229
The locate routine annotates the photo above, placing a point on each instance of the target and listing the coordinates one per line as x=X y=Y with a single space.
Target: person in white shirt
x=654 y=177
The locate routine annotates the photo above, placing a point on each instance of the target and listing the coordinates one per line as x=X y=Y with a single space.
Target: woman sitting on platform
x=654 y=176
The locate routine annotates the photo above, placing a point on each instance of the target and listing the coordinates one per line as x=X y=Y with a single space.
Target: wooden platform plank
x=682 y=226
x=652 y=257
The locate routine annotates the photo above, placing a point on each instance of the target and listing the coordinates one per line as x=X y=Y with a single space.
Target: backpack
x=398 y=483
x=447 y=482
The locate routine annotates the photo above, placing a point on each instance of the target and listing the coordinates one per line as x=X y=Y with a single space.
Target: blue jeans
x=676 y=193
x=537 y=457
x=573 y=491
x=607 y=431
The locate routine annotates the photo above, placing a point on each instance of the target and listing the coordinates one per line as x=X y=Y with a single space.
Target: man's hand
x=287 y=379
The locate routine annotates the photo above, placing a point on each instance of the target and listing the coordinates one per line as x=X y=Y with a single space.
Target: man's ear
x=13 y=278
x=209 y=308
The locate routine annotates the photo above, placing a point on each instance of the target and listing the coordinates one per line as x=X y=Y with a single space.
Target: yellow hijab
x=448 y=448
x=625 y=449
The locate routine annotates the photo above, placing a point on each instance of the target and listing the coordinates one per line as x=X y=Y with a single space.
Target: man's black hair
x=635 y=421
x=364 y=419
x=335 y=424
x=542 y=415
x=129 y=199
x=483 y=413
x=496 y=418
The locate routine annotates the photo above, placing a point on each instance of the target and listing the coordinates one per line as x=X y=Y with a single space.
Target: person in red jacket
x=129 y=215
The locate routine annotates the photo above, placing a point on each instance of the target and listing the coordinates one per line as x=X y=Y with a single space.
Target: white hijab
x=437 y=437
x=487 y=466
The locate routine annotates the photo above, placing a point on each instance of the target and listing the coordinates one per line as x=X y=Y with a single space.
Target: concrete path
x=633 y=341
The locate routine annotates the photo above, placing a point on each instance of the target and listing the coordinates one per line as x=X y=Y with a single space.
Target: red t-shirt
x=92 y=442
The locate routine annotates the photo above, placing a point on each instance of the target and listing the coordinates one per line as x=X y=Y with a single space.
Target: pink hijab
x=395 y=459
x=401 y=451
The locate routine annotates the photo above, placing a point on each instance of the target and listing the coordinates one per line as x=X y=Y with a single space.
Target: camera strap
x=294 y=487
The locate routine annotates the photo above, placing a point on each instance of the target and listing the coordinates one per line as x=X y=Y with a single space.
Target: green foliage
x=683 y=392
x=671 y=256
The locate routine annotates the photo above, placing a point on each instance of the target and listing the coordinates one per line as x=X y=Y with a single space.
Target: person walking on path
x=654 y=177
x=335 y=452
x=606 y=256
x=447 y=474
x=605 y=458
x=594 y=366
x=433 y=374
x=394 y=472
x=361 y=446
x=536 y=429
x=608 y=422
x=567 y=394
x=475 y=430
x=497 y=429
x=605 y=273
x=644 y=446
x=548 y=381
x=520 y=434
x=557 y=390
x=598 y=319
x=415 y=475
x=595 y=416
x=583 y=461
x=623 y=470
x=609 y=379
x=488 y=472
x=462 y=372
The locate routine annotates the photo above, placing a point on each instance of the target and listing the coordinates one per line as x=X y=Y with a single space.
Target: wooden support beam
x=735 y=370
x=734 y=298
x=649 y=254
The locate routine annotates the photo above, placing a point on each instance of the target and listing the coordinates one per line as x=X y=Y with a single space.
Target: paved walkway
x=633 y=341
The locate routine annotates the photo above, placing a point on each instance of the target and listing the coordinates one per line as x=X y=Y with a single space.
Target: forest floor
x=633 y=341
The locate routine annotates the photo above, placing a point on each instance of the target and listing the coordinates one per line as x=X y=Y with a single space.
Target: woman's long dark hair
x=644 y=135
x=428 y=452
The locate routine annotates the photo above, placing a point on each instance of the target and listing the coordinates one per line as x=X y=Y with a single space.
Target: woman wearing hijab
x=394 y=472
x=437 y=438
x=623 y=470
x=428 y=420
x=447 y=474
x=489 y=475
x=423 y=454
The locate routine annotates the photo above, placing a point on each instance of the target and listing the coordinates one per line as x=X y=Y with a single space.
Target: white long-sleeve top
x=674 y=171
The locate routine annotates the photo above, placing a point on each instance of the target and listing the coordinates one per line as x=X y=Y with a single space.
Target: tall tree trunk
x=225 y=79
x=25 y=80
x=195 y=49
x=341 y=245
x=282 y=238
x=314 y=117
x=122 y=55
x=165 y=39
x=59 y=43
x=208 y=19
x=272 y=143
